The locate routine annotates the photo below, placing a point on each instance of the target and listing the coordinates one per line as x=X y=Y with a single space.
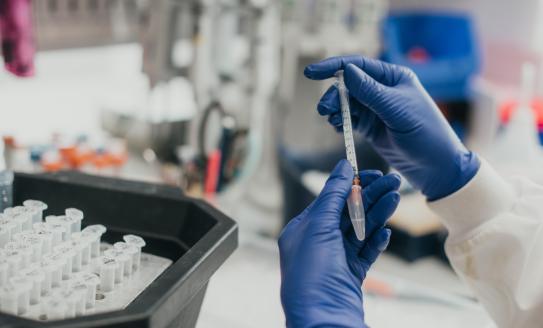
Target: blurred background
x=209 y=96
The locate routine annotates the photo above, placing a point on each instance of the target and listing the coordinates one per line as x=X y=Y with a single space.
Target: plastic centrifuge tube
x=354 y=202
x=130 y=250
x=46 y=237
x=23 y=286
x=125 y=261
x=85 y=241
x=108 y=267
x=139 y=243
x=97 y=230
x=9 y=299
x=92 y=281
x=36 y=275
x=76 y=216
x=67 y=252
x=36 y=208
x=4 y=271
x=5 y=235
x=64 y=222
x=55 y=309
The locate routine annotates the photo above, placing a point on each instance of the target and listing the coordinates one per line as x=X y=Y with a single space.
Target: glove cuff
x=465 y=167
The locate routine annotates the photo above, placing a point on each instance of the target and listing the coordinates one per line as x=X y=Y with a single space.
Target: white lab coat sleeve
x=495 y=244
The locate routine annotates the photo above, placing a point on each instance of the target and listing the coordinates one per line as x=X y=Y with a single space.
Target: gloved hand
x=394 y=112
x=323 y=264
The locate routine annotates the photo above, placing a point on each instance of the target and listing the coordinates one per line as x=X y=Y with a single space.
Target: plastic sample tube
x=15 y=260
x=65 y=251
x=36 y=244
x=129 y=250
x=37 y=276
x=46 y=237
x=125 y=263
x=97 y=230
x=5 y=235
x=37 y=208
x=354 y=202
x=64 y=222
x=57 y=263
x=4 y=271
x=9 y=225
x=55 y=309
x=139 y=243
x=23 y=286
x=57 y=230
x=76 y=216
x=92 y=281
x=108 y=266
x=80 y=292
x=9 y=299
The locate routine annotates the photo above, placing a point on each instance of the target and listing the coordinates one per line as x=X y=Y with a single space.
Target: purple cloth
x=18 y=46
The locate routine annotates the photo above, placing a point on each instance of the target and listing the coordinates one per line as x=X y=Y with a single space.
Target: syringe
x=354 y=202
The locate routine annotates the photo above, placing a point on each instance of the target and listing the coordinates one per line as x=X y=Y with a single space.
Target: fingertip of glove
x=309 y=71
x=383 y=238
x=343 y=169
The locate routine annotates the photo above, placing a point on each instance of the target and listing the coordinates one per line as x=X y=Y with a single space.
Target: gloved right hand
x=392 y=109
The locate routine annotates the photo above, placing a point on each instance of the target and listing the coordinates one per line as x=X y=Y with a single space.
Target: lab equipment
x=392 y=110
x=354 y=202
x=323 y=264
x=181 y=263
x=47 y=277
x=445 y=69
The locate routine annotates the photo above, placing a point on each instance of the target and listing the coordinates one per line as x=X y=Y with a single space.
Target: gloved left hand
x=323 y=264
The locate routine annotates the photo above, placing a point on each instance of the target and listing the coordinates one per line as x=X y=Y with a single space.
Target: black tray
x=194 y=235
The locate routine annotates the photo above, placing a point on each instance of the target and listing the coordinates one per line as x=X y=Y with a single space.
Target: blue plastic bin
x=447 y=43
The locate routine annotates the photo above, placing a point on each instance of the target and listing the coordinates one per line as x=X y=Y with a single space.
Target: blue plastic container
x=440 y=47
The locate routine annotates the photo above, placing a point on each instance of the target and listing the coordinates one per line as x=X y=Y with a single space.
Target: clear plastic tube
x=354 y=202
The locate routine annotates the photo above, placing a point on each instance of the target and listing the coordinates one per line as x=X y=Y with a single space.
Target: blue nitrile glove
x=323 y=264
x=394 y=112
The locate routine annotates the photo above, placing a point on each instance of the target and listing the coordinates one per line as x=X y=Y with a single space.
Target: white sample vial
x=15 y=262
x=10 y=227
x=97 y=230
x=4 y=270
x=124 y=263
x=49 y=269
x=55 y=308
x=37 y=207
x=70 y=299
x=24 y=250
x=15 y=225
x=80 y=292
x=108 y=267
x=85 y=240
x=36 y=243
x=57 y=230
x=23 y=285
x=9 y=299
x=46 y=237
x=64 y=222
x=92 y=281
x=5 y=235
x=37 y=276
x=77 y=246
x=137 y=242
x=129 y=250
x=76 y=216
x=65 y=250
x=56 y=264
x=21 y=214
